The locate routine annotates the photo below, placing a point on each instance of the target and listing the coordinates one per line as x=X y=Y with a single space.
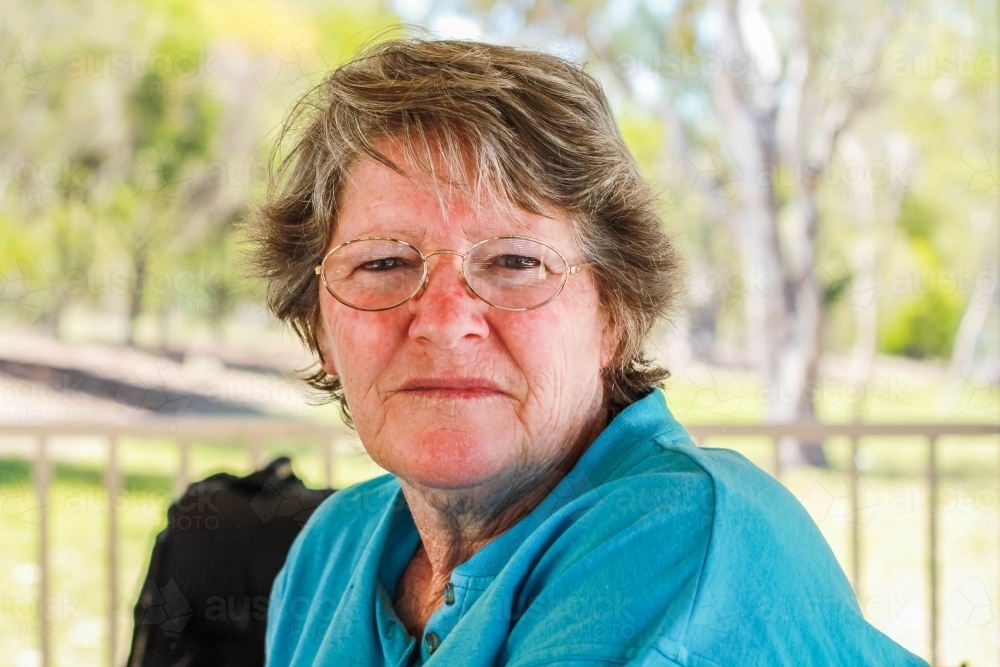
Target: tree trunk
x=973 y=321
x=769 y=119
x=139 y=270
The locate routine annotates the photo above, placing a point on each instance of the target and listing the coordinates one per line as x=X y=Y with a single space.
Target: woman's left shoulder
x=742 y=506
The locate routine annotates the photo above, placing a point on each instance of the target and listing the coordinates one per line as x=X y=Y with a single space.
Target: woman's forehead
x=378 y=201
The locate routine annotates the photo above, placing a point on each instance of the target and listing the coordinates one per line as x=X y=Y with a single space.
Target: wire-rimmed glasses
x=508 y=272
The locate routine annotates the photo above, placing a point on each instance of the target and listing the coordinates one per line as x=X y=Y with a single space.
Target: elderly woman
x=461 y=235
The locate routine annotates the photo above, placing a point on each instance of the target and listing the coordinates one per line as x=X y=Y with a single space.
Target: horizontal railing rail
x=256 y=434
x=253 y=434
x=855 y=431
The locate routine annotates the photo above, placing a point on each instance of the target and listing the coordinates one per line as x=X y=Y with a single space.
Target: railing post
x=113 y=484
x=932 y=539
x=184 y=474
x=43 y=477
x=855 y=520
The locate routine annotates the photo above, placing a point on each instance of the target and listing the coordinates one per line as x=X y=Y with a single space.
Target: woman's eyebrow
x=402 y=232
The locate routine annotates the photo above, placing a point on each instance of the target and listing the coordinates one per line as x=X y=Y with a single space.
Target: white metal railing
x=254 y=434
x=819 y=432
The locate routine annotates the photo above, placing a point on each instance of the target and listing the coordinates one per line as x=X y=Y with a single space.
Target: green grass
x=77 y=510
x=893 y=516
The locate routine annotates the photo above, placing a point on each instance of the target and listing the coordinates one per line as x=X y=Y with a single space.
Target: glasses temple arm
x=576 y=268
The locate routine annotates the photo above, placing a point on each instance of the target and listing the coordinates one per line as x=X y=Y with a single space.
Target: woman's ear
x=611 y=337
x=325 y=358
x=324 y=362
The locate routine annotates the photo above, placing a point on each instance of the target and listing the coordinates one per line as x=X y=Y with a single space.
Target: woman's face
x=446 y=391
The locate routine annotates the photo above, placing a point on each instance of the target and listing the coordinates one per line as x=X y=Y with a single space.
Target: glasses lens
x=374 y=274
x=515 y=272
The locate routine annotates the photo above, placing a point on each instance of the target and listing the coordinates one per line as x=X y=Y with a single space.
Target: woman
x=462 y=237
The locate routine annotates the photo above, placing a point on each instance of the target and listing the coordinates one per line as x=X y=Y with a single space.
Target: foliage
x=135 y=137
x=923 y=326
x=924 y=322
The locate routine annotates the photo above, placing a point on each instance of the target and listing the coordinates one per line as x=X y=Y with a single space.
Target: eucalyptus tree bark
x=775 y=123
x=961 y=371
x=137 y=289
x=774 y=118
x=864 y=266
x=973 y=321
x=874 y=229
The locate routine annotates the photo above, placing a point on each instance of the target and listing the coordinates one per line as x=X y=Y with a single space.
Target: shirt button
x=449 y=594
x=431 y=642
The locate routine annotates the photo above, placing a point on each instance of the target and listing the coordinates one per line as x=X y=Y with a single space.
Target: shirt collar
x=645 y=419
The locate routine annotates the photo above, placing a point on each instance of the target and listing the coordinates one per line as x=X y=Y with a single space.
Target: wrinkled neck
x=454 y=524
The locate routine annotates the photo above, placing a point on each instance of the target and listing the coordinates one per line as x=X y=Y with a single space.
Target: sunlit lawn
x=893 y=515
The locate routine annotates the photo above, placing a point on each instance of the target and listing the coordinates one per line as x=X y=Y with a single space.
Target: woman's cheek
x=364 y=340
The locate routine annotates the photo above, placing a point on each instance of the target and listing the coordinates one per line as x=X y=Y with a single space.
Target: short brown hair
x=520 y=127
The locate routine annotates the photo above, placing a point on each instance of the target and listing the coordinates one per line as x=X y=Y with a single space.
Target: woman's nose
x=445 y=311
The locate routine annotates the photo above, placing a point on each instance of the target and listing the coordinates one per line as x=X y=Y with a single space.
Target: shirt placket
x=397 y=644
x=442 y=621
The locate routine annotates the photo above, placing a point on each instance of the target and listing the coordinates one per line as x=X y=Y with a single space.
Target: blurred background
x=829 y=170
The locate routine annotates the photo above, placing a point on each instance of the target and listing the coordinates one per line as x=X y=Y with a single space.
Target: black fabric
x=205 y=598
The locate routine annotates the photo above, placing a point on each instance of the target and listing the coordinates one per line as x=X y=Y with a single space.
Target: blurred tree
x=135 y=139
x=801 y=127
x=170 y=133
x=755 y=107
x=787 y=134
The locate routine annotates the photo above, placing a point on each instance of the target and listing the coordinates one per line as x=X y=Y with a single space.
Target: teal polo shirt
x=651 y=551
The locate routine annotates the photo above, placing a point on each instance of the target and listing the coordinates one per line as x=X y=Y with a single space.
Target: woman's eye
x=518 y=262
x=384 y=264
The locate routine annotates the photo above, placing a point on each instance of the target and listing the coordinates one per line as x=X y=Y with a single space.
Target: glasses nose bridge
x=427 y=271
x=444 y=252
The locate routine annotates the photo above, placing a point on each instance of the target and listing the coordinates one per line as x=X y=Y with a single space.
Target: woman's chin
x=449 y=459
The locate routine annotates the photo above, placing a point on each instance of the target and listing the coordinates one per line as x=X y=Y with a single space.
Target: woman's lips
x=454 y=388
